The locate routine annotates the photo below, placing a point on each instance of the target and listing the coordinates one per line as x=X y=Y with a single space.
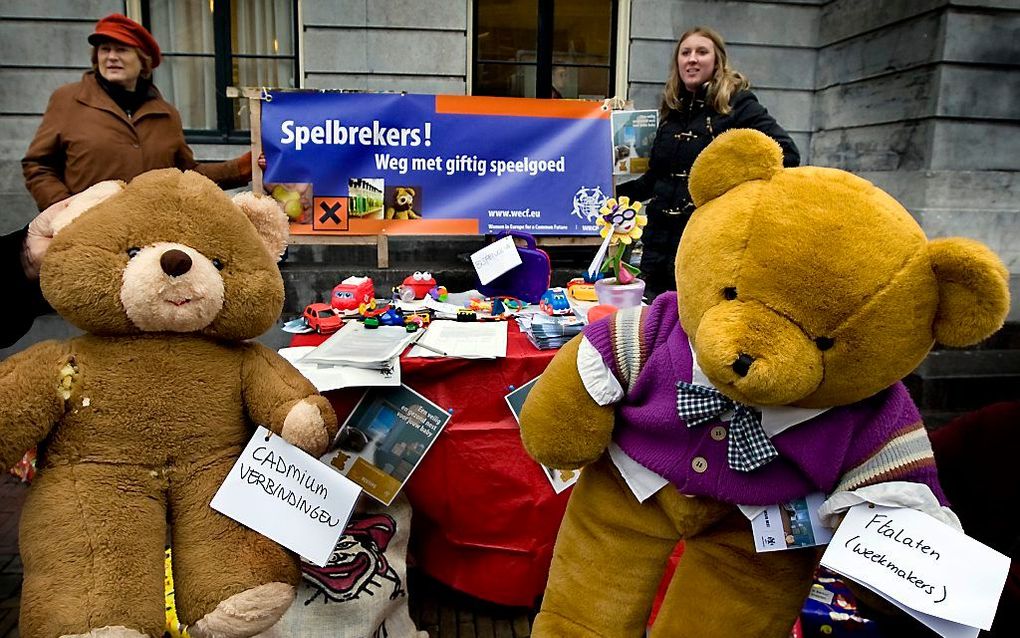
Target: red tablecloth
x=485 y=515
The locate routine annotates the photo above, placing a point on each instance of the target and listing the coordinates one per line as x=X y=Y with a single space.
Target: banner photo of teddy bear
x=366 y=163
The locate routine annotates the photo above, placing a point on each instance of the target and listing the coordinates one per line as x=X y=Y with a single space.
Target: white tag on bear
x=283 y=493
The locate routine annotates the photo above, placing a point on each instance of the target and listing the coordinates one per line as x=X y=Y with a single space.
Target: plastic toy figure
x=581 y=290
x=554 y=302
x=421 y=318
x=391 y=317
x=321 y=318
x=480 y=305
x=350 y=293
x=420 y=282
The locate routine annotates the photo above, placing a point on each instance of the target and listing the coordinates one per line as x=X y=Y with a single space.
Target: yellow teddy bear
x=803 y=296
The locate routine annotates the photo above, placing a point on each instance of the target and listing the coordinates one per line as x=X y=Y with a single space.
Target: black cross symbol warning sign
x=329 y=213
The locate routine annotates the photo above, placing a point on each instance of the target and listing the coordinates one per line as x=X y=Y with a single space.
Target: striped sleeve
x=611 y=355
x=906 y=456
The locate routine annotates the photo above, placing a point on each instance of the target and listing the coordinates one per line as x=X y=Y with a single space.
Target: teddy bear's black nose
x=175 y=262
x=743 y=364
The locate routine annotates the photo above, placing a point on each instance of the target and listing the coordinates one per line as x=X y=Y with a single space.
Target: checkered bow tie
x=749 y=447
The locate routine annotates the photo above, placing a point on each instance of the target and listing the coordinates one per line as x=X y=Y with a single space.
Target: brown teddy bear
x=803 y=296
x=403 y=208
x=142 y=417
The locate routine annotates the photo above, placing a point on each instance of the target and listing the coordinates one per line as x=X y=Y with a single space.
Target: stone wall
x=920 y=97
x=417 y=46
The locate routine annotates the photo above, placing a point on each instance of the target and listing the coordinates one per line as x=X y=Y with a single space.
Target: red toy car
x=321 y=318
x=350 y=293
x=421 y=283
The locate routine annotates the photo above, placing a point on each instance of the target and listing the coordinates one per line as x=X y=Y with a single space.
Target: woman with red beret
x=114 y=124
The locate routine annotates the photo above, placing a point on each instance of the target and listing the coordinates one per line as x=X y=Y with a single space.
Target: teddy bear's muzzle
x=755 y=355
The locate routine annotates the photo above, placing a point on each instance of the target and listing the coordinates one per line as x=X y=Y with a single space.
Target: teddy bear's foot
x=247 y=613
x=108 y=632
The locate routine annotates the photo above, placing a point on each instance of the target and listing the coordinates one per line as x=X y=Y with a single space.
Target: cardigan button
x=136 y=146
x=718 y=433
x=699 y=464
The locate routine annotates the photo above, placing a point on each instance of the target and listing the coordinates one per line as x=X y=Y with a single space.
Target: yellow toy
x=403 y=208
x=803 y=296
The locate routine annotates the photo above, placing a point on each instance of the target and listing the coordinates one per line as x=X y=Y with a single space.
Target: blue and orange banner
x=365 y=163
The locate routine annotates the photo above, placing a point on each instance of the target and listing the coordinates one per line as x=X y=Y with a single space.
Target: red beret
x=123 y=29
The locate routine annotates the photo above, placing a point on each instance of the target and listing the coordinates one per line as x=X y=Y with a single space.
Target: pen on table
x=430 y=348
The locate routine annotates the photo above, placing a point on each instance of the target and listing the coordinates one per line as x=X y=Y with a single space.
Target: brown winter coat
x=85 y=138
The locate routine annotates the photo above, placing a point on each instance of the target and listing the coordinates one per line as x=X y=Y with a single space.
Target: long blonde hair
x=724 y=83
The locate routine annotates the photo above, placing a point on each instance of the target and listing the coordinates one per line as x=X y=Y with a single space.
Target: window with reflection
x=544 y=48
x=209 y=45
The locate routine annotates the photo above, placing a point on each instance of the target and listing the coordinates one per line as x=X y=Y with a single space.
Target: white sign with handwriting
x=281 y=492
x=920 y=563
x=496 y=259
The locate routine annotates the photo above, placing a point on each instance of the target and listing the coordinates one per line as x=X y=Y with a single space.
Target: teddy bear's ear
x=973 y=291
x=83 y=201
x=269 y=219
x=735 y=157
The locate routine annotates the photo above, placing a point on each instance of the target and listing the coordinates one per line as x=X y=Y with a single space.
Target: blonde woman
x=114 y=124
x=704 y=96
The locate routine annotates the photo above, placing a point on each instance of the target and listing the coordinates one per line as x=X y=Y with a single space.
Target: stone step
x=950 y=382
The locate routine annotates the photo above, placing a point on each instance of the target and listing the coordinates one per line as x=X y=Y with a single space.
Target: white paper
x=283 y=493
x=327 y=377
x=945 y=628
x=790 y=525
x=596 y=261
x=496 y=259
x=919 y=562
x=465 y=339
x=356 y=345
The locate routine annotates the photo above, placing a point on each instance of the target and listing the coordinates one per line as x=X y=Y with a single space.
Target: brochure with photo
x=633 y=134
x=791 y=525
x=559 y=479
x=385 y=438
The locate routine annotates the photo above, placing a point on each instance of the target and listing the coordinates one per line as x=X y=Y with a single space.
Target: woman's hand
x=37 y=241
x=614 y=103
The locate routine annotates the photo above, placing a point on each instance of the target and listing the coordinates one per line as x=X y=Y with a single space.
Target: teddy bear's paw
x=305 y=428
x=108 y=632
x=246 y=614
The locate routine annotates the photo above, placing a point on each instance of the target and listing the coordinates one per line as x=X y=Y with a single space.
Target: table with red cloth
x=485 y=515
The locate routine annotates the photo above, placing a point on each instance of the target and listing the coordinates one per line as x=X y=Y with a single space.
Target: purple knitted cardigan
x=875 y=440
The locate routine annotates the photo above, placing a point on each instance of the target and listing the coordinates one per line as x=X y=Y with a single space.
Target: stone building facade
x=919 y=96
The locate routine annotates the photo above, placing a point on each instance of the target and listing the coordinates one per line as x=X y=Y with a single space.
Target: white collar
x=774 y=418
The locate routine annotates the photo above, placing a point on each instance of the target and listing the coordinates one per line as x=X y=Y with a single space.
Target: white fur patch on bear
x=108 y=632
x=268 y=218
x=305 y=427
x=247 y=613
x=157 y=302
x=88 y=198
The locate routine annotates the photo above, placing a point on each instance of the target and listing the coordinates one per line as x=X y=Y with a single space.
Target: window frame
x=544 y=49
x=224 y=59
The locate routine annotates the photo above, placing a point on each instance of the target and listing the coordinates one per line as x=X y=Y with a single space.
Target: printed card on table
x=559 y=479
x=283 y=493
x=385 y=438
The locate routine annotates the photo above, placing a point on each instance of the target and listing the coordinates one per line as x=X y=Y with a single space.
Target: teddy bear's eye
x=133 y=251
x=729 y=293
x=216 y=262
x=824 y=343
